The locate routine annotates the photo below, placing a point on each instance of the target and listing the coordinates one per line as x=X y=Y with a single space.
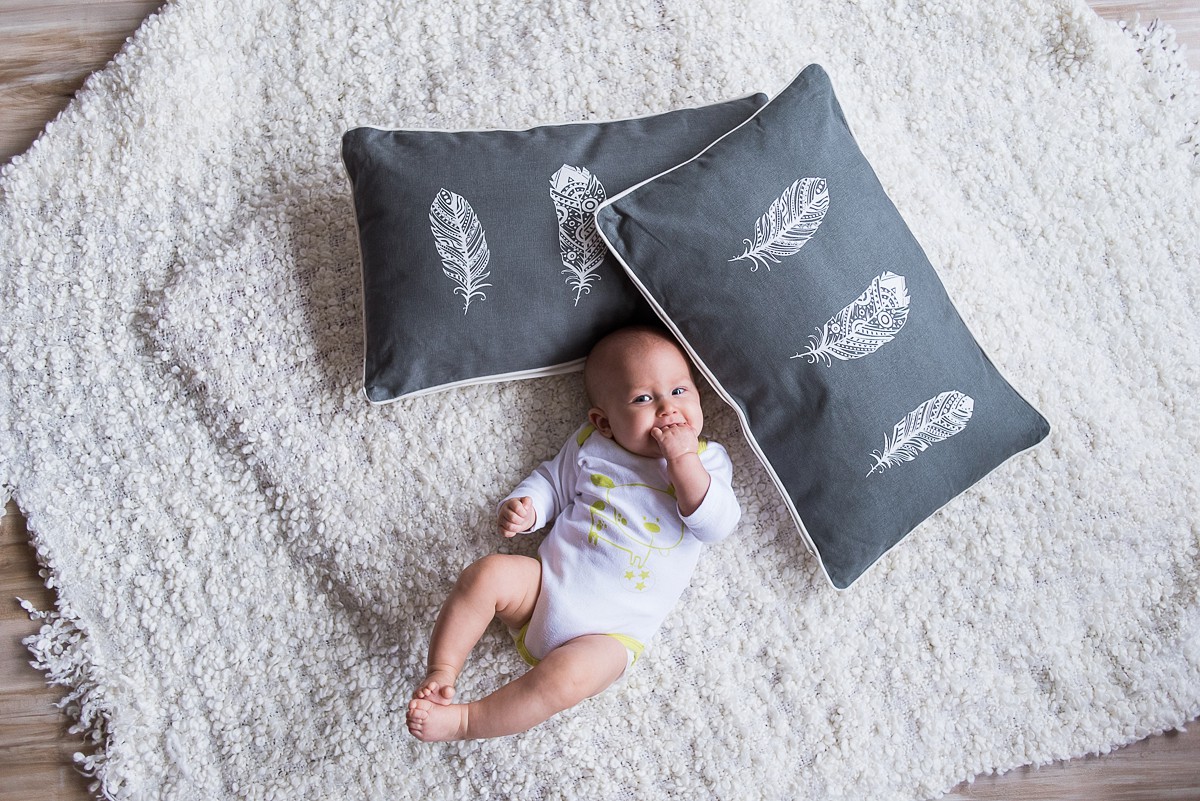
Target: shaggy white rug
x=250 y=557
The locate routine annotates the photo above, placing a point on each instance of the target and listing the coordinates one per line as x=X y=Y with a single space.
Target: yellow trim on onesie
x=584 y=433
x=519 y=638
x=633 y=646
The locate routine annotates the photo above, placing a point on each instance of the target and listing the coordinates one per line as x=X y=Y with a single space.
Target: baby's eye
x=679 y=390
x=642 y=399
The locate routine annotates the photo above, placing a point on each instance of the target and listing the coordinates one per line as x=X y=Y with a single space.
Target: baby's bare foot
x=433 y=723
x=438 y=687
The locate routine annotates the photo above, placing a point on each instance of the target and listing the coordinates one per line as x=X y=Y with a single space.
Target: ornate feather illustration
x=788 y=224
x=863 y=327
x=934 y=420
x=461 y=243
x=577 y=194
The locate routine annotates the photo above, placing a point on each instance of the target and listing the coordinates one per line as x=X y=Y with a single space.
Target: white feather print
x=936 y=419
x=871 y=321
x=462 y=245
x=788 y=224
x=576 y=195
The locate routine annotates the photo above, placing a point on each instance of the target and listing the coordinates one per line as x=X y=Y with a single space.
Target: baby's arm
x=681 y=448
x=719 y=511
x=542 y=495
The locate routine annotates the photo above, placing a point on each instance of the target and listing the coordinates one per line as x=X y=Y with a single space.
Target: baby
x=633 y=496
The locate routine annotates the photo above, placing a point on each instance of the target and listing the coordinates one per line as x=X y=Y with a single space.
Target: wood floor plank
x=15 y=670
x=65 y=41
x=41 y=782
x=19 y=575
x=47 y=50
x=1155 y=769
x=24 y=729
x=36 y=762
x=1183 y=16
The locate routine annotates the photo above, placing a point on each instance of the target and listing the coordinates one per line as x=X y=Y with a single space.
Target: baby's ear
x=599 y=419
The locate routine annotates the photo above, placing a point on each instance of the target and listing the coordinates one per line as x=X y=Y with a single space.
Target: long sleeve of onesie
x=619 y=554
x=551 y=484
x=719 y=512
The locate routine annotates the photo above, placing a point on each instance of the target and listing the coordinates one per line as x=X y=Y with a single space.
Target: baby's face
x=650 y=387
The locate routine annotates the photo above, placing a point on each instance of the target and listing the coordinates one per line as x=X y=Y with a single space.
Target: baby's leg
x=498 y=585
x=570 y=673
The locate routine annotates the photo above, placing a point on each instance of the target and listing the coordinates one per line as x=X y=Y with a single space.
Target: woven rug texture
x=249 y=557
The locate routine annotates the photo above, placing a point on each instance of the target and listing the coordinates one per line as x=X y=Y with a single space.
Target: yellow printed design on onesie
x=618 y=554
x=641 y=540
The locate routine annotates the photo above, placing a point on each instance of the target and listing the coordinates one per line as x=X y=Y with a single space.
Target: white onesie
x=619 y=554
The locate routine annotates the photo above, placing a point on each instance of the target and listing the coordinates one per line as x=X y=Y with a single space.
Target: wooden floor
x=47 y=48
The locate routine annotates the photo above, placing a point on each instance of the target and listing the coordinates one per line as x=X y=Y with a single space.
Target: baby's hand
x=517 y=515
x=675 y=440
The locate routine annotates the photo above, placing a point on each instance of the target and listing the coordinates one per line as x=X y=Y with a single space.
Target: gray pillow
x=480 y=256
x=778 y=260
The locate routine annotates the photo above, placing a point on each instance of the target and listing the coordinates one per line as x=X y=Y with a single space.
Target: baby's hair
x=617 y=341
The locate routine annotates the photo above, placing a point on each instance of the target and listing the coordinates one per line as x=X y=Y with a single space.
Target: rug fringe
x=62 y=651
x=1165 y=59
